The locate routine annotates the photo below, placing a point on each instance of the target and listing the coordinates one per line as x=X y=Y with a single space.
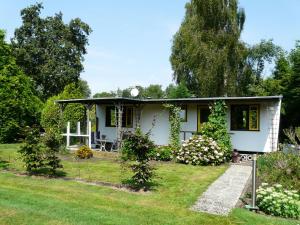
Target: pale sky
x=131 y=40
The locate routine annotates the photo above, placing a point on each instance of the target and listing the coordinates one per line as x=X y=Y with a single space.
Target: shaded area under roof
x=115 y=100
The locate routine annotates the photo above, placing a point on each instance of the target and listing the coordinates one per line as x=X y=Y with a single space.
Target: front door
x=202 y=115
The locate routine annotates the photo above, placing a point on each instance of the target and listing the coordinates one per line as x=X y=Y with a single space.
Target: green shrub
x=84 y=152
x=138 y=147
x=162 y=153
x=200 y=150
x=279 y=167
x=216 y=128
x=52 y=140
x=277 y=201
x=32 y=151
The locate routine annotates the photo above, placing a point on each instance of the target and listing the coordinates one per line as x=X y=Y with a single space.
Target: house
x=253 y=122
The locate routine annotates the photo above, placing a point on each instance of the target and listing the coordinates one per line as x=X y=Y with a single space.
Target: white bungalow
x=253 y=122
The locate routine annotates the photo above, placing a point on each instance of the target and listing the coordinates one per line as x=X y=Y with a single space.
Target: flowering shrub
x=200 y=150
x=216 y=127
x=280 y=167
x=84 y=152
x=162 y=153
x=277 y=201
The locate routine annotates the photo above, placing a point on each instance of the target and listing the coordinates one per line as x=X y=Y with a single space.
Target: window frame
x=184 y=107
x=125 y=118
x=248 y=122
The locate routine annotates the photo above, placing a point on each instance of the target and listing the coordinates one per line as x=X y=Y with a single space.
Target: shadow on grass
x=132 y=185
x=48 y=172
x=4 y=164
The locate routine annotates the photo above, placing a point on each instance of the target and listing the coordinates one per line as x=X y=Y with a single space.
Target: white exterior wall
x=264 y=140
x=158 y=114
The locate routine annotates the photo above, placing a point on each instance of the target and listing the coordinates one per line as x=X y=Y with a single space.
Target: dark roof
x=113 y=100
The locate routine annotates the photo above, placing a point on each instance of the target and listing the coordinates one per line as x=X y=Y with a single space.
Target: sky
x=131 y=40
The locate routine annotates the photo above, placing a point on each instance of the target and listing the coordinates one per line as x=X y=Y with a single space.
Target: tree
x=251 y=81
x=154 y=91
x=50 y=51
x=206 y=51
x=292 y=91
x=104 y=94
x=177 y=91
x=51 y=115
x=19 y=107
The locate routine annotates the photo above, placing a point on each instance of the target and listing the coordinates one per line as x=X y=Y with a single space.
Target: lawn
x=38 y=200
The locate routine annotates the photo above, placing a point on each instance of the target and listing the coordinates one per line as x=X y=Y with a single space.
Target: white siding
x=264 y=140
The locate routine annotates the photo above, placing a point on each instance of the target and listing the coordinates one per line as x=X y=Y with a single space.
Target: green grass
x=37 y=200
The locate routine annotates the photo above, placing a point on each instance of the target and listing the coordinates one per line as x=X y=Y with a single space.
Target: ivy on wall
x=174 y=119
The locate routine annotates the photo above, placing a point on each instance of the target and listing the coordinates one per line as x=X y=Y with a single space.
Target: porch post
x=90 y=134
x=119 y=124
x=88 y=128
x=68 y=134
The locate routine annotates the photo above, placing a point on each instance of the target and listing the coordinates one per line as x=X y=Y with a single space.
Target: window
x=111 y=118
x=202 y=116
x=183 y=113
x=245 y=117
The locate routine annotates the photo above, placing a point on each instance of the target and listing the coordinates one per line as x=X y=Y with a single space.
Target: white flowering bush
x=277 y=201
x=200 y=150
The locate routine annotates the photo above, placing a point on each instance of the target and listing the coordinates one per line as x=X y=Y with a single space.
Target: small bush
x=162 y=153
x=280 y=167
x=84 y=152
x=32 y=151
x=138 y=147
x=52 y=140
x=200 y=150
x=277 y=201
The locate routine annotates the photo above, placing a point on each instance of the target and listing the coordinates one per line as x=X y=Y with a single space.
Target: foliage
x=162 y=153
x=104 y=94
x=216 y=127
x=293 y=135
x=153 y=91
x=19 y=107
x=251 y=83
x=50 y=51
x=178 y=91
x=52 y=140
x=174 y=118
x=206 y=51
x=200 y=150
x=277 y=201
x=279 y=167
x=84 y=152
x=138 y=147
x=52 y=117
x=32 y=151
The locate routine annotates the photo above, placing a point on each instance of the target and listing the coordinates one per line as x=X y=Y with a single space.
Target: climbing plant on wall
x=174 y=118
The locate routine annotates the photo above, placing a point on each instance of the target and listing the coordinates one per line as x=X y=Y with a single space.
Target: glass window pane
x=253 y=118
x=183 y=114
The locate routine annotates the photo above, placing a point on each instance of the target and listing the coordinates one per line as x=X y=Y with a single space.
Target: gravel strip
x=223 y=194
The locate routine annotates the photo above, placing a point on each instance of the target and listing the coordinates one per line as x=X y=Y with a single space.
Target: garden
x=143 y=184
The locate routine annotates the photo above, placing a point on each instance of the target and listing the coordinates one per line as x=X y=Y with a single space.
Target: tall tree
x=50 y=51
x=154 y=91
x=19 y=107
x=207 y=52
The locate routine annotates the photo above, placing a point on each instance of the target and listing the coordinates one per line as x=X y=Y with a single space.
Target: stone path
x=223 y=194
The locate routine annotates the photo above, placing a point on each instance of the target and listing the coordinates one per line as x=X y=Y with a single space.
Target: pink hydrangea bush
x=200 y=150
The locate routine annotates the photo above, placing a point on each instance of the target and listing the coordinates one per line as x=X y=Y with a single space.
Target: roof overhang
x=116 y=100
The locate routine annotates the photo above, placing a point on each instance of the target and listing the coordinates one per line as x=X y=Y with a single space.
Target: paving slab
x=223 y=194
